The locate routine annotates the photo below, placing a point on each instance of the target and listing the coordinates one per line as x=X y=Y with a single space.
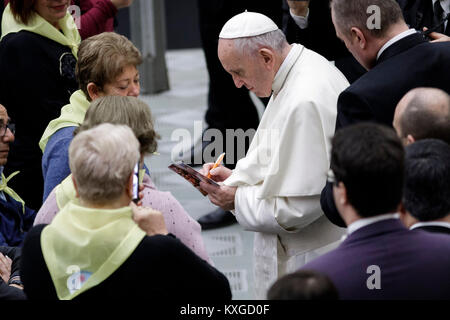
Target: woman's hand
x=119 y=4
x=149 y=220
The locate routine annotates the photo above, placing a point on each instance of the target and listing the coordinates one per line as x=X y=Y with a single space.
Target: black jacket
x=37 y=80
x=7 y=292
x=409 y=63
x=160 y=268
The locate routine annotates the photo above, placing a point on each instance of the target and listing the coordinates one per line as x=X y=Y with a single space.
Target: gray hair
x=275 y=40
x=102 y=160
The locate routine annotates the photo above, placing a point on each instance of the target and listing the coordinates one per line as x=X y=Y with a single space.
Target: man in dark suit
x=426 y=198
x=398 y=59
x=380 y=258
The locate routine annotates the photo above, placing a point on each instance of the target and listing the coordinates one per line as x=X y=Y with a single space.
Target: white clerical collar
x=398 y=37
x=430 y=224
x=285 y=67
x=358 y=224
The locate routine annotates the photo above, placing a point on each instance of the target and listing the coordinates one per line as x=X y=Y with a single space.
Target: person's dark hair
x=426 y=193
x=427 y=117
x=369 y=160
x=303 y=285
x=129 y=111
x=354 y=13
x=22 y=10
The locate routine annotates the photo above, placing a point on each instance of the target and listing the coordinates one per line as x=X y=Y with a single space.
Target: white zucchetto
x=247 y=24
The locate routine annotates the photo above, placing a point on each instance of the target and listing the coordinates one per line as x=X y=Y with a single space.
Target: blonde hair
x=102 y=160
x=102 y=58
x=129 y=111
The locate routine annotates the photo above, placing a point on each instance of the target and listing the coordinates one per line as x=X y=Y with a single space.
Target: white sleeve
x=302 y=22
x=276 y=215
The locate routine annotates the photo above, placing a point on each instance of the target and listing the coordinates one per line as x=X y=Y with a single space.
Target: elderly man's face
x=246 y=70
x=6 y=139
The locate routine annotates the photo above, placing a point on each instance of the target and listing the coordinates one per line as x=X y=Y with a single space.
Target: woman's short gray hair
x=102 y=160
x=275 y=40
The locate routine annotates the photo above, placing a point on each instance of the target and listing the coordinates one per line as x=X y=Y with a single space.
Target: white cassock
x=280 y=179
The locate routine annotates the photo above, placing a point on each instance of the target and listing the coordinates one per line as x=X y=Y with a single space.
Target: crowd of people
x=346 y=182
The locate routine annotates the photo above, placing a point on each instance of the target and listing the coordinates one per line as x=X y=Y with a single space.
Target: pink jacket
x=97 y=16
x=178 y=221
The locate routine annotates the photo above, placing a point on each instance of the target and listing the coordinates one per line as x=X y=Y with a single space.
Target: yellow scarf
x=65 y=191
x=82 y=247
x=72 y=115
x=4 y=187
x=69 y=36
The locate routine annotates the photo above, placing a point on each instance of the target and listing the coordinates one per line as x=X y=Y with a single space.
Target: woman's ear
x=75 y=187
x=94 y=91
x=129 y=187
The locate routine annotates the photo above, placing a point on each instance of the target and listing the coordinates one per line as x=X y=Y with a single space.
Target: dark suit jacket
x=413 y=264
x=409 y=63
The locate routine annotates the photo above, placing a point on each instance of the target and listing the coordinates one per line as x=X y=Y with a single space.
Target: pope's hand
x=222 y=196
x=149 y=220
x=119 y=4
x=218 y=174
x=299 y=7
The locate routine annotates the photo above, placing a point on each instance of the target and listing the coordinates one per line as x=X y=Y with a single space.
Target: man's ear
x=268 y=57
x=75 y=187
x=341 y=192
x=94 y=91
x=358 y=36
x=410 y=139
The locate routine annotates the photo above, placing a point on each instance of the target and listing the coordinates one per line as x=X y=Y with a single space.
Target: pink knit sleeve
x=178 y=221
x=48 y=210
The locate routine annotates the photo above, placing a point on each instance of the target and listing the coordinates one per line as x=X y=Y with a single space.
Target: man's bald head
x=423 y=113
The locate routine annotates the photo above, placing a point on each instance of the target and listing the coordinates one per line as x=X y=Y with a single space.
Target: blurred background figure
x=303 y=285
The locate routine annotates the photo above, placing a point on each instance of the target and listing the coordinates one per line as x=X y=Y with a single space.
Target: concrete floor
x=179 y=113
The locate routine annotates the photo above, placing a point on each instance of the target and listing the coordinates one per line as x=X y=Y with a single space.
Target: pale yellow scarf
x=69 y=36
x=82 y=247
x=4 y=187
x=72 y=115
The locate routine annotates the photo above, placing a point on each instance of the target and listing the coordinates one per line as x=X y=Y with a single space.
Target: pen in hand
x=218 y=162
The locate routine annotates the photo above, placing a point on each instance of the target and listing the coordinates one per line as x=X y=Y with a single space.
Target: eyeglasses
x=4 y=128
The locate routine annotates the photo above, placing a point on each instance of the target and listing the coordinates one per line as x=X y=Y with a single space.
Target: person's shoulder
x=60 y=138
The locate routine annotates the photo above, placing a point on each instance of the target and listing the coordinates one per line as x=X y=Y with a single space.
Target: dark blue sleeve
x=28 y=218
x=55 y=161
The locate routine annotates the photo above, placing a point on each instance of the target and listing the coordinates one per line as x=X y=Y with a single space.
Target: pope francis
x=275 y=190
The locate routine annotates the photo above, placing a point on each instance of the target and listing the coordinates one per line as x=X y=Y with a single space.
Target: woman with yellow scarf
x=102 y=247
x=38 y=51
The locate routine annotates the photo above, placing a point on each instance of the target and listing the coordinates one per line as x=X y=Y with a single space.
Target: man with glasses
x=15 y=218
